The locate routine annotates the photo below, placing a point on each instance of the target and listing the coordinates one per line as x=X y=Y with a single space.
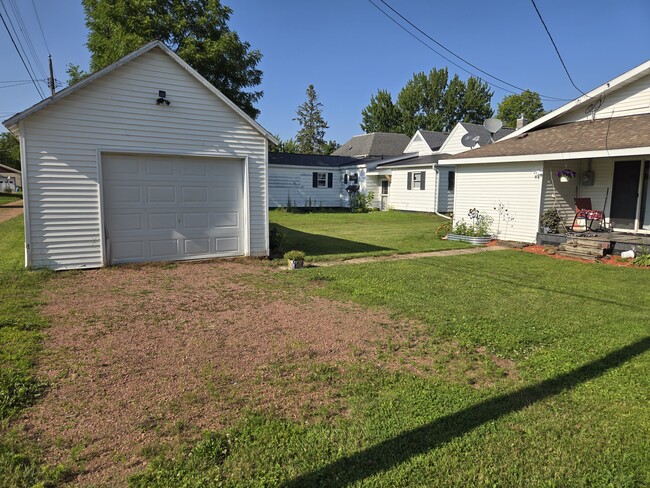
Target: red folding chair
x=588 y=214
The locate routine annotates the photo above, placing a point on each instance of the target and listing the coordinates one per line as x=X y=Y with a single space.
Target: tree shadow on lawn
x=323 y=245
x=399 y=449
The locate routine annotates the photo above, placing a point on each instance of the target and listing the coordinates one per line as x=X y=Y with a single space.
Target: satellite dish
x=492 y=125
x=468 y=140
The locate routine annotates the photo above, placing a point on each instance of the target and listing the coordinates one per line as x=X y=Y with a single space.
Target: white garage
x=141 y=161
x=166 y=208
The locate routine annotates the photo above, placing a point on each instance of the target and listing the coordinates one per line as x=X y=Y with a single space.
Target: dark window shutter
x=422 y=178
x=409 y=178
x=314 y=180
x=345 y=178
x=330 y=179
x=451 y=181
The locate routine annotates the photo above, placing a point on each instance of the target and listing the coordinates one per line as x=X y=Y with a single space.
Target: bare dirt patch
x=609 y=259
x=7 y=212
x=143 y=358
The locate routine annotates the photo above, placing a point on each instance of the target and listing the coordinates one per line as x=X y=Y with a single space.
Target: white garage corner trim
x=159 y=206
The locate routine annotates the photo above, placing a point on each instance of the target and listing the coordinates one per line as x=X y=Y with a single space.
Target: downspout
x=435 y=201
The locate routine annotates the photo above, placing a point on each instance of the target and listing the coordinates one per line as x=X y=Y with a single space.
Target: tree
x=197 y=30
x=329 y=147
x=75 y=73
x=381 y=115
x=430 y=102
x=9 y=150
x=527 y=103
x=287 y=146
x=311 y=136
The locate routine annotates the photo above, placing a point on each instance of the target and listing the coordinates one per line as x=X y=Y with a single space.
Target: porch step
x=589 y=243
x=577 y=250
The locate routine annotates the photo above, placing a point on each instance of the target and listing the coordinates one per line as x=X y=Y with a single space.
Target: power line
x=16 y=84
x=460 y=57
x=28 y=40
x=19 y=53
x=40 y=26
x=437 y=52
x=556 y=49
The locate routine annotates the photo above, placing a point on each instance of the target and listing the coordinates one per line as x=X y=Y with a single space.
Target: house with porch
x=602 y=139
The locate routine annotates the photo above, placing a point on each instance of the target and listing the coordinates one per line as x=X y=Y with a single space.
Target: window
x=451 y=181
x=322 y=180
x=415 y=181
x=345 y=179
x=354 y=178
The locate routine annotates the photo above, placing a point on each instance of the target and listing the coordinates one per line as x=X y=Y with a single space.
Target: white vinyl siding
x=514 y=185
x=418 y=145
x=117 y=112
x=445 y=197
x=412 y=200
x=632 y=99
x=295 y=184
x=453 y=144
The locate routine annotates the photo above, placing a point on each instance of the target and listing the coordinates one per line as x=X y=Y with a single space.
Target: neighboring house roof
x=11 y=123
x=631 y=131
x=292 y=159
x=435 y=140
x=477 y=134
x=414 y=160
x=588 y=98
x=376 y=144
x=8 y=169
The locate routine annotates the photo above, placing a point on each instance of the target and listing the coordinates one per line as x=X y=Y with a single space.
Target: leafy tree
x=9 y=150
x=311 y=136
x=381 y=115
x=287 y=146
x=431 y=102
x=329 y=147
x=197 y=30
x=75 y=73
x=527 y=103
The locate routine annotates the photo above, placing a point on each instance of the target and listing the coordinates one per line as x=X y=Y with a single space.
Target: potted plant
x=551 y=221
x=565 y=175
x=296 y=259
x=477 y=232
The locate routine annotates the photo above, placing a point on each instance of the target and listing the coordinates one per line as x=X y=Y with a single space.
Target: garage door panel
x=161 y=194
x=227 y=244
x=185 y=207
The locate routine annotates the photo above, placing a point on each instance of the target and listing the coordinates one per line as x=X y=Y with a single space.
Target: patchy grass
x=20 y=342
x=8 y=198
x=567 y=404
x=343 y=235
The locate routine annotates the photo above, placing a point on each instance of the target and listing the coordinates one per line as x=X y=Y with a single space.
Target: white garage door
x=165 y=208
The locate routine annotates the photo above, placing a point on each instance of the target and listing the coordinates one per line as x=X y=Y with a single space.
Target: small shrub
x=444 y=229
x=294 y=255
x=276 y=237
x=361 y=202
x=551 y=220
x=643 y=257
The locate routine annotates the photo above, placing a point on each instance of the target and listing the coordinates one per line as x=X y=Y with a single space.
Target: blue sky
x=348 y=49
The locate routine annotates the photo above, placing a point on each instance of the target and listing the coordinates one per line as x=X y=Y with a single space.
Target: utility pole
x=51 y=74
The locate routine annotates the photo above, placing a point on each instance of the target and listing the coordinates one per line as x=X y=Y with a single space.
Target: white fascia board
x=612 y=153
x=11 y=123
x=398 y=158
x=615 y=84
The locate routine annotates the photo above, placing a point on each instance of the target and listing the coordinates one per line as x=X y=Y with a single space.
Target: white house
x=10 y=178
x=141 y=161
x=415 y=181
x=603 y=136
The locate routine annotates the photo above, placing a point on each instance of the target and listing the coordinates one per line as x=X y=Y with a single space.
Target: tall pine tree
x=197 y=30
x=311 y=136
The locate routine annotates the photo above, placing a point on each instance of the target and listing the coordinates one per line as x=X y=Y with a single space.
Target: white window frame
x=321 y=180
x=416 y=184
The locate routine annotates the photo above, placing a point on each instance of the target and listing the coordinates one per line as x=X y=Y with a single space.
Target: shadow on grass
x=323 y=245
x=399 y=449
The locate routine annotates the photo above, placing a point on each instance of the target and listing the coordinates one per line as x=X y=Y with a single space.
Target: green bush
x=294 y=255
x=361 y=202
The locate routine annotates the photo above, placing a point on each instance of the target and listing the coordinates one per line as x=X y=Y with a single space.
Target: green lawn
x=342 y=235
x=574 y=410
x=7 y=198
x=20 y=339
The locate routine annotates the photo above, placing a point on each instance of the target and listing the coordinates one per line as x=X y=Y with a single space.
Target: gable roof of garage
x=12 y=122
